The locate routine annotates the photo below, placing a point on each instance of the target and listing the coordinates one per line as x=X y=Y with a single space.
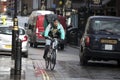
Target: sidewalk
x=31 y=70
x=5 y=68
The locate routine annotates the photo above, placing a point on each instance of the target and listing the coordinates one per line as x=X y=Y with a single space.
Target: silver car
x=6 y=39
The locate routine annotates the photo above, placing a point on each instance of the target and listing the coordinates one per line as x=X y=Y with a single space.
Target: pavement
x=6 y=66
x=31 y=69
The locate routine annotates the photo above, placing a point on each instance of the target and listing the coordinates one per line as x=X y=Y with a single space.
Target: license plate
x=8 y=46
x=107 y=41
x=108 y=47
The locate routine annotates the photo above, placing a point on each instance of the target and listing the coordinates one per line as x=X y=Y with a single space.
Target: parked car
x=101 y=39
x=6 y=39
x=73 y=35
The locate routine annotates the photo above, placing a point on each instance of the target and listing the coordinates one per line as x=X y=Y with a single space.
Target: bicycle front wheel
x=53 y=60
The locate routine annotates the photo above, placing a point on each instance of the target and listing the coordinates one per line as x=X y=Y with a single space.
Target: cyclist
x=54 y=29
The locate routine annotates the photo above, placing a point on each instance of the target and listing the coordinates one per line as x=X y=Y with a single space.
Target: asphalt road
x=67 y=67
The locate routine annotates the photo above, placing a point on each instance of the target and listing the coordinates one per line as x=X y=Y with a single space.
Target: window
x=108 y=25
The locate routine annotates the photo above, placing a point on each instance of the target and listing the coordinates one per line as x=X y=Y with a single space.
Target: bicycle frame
x=54 y=44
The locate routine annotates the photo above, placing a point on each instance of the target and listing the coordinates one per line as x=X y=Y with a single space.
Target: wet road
x=67 y=67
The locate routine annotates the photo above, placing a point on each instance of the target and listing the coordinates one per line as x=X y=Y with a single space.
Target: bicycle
x=51 y=56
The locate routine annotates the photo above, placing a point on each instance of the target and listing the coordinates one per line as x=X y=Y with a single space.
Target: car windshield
x=8 y=31
x=105 y=26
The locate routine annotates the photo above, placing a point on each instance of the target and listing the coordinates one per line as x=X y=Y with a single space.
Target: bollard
x=18 y=57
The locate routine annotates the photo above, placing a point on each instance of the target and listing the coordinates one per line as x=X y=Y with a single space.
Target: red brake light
x=25 y=38
x=87 y=41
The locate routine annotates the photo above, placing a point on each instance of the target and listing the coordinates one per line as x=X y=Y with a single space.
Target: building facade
x=25 y=7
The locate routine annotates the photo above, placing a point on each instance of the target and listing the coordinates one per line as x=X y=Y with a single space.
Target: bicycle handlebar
x=53 y=39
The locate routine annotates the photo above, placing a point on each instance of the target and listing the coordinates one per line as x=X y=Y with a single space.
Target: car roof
x=43 y=12
x=108 y=17
x=40 y=12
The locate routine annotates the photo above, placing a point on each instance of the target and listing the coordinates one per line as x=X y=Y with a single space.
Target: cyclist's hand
x=48 y=38
x=53 y=40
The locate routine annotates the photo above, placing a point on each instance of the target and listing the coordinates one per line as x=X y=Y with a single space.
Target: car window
x=8 y=31
x=111 y=25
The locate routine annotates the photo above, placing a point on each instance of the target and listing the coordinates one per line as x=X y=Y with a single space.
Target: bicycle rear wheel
x=53 y=60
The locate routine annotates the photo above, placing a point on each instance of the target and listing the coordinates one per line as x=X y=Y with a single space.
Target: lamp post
x=15 y=30
x=16 y=45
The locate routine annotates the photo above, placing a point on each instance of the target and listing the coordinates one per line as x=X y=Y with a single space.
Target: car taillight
x=25 y=38
x=87 y=41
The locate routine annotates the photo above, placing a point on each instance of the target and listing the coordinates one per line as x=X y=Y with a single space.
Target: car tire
x=25 y=54
x=118 y=62
x=83 y=59
x=62 y=46
x=31 y=44
x=35 y=45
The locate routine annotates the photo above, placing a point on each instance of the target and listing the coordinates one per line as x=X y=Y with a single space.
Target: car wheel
x=35 y=45
x=31 y=44
x=25 y=54
x=118 y=62
x=83 y=59
x=62 y=46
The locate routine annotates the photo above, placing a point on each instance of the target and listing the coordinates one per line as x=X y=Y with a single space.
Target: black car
x=73 y=35
x=101 y=39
